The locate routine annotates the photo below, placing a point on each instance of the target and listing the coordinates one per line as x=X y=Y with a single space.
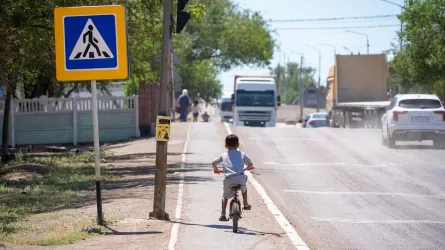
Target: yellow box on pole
x=162 y=128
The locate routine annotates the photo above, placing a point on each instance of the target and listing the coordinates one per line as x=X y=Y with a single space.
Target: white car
x=316 y=120
x=414 y=117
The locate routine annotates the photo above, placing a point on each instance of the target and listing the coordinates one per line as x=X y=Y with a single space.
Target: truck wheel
x=348 y=120
x=342 y=120
x=438 y=144
x=364 y=119
x=375 y=123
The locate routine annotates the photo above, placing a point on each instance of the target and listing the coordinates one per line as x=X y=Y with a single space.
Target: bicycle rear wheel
x=236 y=216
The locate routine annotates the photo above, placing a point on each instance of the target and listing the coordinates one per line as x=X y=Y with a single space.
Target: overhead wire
x=331 y=19
x=338 y=27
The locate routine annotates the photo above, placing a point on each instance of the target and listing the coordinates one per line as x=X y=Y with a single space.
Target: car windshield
x=226 y=106
x=255 y=98
x=319 y=116
x=420 y=104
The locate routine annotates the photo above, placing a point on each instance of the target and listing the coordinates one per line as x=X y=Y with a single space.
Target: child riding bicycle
x=233 y=168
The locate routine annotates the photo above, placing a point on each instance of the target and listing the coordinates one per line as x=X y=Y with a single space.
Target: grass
x=33 y=210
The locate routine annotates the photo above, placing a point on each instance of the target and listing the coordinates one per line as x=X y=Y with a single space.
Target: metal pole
x=286 y=75
x=96 y=152
x=161 y=146
x=301 y=89
x=173 y=101
x=367 y=43
x=319 y=79
x=401 y=30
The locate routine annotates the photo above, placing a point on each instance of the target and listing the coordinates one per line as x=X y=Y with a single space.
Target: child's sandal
x=223 y=218
x=248 y=207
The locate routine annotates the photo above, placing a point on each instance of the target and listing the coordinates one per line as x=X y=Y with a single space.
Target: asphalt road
x=341 y=189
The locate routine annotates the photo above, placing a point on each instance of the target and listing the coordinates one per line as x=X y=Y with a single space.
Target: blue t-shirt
x=233 y=162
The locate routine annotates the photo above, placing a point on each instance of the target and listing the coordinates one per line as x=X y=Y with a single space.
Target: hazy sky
x=294 y=40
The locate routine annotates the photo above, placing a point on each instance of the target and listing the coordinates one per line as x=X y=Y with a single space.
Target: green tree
x=27 y=46
x=223 y=38
x=290 y=74
x=420 y=65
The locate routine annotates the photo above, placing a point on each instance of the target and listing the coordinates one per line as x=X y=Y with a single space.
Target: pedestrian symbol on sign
x=90 y=44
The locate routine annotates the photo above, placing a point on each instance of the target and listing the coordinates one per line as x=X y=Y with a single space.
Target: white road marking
x=175 y=227
x=282 y=221
x=337 y=164
x=365 y=193
x=282 y=139
x=306 y=164
x=363 y=221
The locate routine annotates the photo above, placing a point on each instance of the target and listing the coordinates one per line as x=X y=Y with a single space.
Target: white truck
x=255 y=100
x=357 y=91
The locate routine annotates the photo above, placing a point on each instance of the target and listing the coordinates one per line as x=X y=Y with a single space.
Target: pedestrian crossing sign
x=162 y=128
x=91 y=43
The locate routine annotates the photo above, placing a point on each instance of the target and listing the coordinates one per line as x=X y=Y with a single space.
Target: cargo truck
x=255 y=100
x=357 y=91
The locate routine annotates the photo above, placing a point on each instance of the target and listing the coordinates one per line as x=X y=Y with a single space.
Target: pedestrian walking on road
x=233 y=168
x=184 y=103
x=196 y=110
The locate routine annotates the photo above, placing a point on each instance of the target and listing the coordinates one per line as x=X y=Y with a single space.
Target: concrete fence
x=69 y=120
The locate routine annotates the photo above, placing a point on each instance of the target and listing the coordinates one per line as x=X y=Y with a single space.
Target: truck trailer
x=357 y=91
x=255 y=100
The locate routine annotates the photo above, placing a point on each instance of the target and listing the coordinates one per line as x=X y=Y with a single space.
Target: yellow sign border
x=121 y=72
x=168 y=130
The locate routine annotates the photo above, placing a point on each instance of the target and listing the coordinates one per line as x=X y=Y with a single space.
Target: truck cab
x=255 y=101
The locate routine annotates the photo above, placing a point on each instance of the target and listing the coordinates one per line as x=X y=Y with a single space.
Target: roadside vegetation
x=38 y=197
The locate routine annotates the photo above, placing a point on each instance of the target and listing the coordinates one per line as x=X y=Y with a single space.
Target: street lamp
x=348 y=50
x=358 y=33
x=319 y=75
x=329 y=45
x=301 y=84
x=401 y=23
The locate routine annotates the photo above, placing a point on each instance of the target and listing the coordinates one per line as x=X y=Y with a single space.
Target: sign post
x=91 y=44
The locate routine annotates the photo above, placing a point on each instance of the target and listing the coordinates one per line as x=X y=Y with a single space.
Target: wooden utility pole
x=161 y=146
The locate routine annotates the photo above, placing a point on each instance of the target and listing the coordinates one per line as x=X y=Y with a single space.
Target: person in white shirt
x=196 y=110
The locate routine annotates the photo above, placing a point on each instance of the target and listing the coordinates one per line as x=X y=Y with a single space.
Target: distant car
x=315 y=120
x=225 y=110
x=414 y=117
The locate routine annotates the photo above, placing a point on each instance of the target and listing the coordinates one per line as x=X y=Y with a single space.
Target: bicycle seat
x=235 y=187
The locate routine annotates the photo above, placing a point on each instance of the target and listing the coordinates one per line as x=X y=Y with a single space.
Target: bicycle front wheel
x=236 y=216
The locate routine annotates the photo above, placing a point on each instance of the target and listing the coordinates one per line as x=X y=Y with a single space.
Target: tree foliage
x=420 y=65
x=290 y=74
x=219 y=36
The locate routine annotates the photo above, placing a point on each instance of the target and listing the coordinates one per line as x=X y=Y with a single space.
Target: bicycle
x=235 y=204
x=235 y=207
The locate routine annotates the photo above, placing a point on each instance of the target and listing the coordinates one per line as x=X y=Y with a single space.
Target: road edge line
x=290 y=231
x=175 y=228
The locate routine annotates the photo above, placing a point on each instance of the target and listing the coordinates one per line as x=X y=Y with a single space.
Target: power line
x=329 y=19
x=341 y=27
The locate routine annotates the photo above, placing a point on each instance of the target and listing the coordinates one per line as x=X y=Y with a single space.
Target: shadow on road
x=241 y=230
x=114 y=232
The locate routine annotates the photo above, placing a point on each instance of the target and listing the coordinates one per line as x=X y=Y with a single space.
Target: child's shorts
x=233 y=180
x=195 y=114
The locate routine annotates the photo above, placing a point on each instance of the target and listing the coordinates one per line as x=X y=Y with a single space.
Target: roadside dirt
x=128 y=197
